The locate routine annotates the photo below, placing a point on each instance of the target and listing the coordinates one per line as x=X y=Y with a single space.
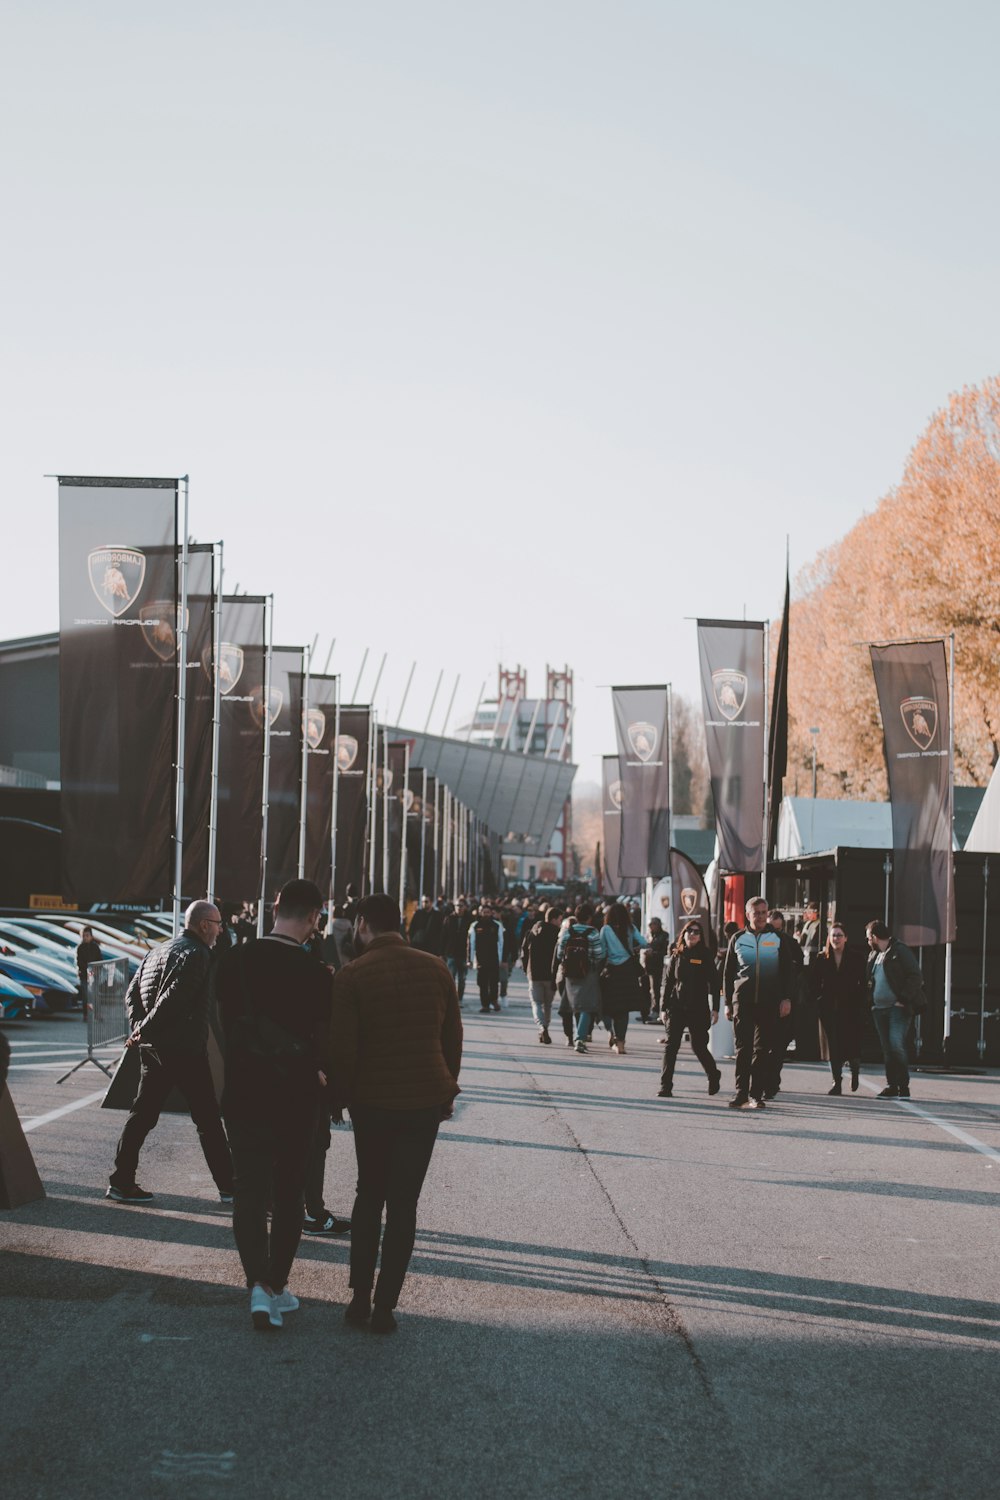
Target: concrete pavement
x=610 y=1294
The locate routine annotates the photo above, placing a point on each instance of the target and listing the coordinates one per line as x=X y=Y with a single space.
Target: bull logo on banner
x=116 y=577
x=230 y=661
x=276 y=700
x=643 y=739
x=730 y=689
x=347 y=752
x=689 y=901
x=314 y=721
x=408 y=800
x=615 y=792
x=920 y=718
x=158 y=622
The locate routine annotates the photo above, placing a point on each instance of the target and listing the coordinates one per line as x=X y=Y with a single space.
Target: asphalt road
x=610 y=1295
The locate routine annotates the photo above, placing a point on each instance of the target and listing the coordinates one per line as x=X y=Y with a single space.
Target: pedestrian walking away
x=654 y=959
x=538 y=951
x=621 y=976
x=757 y=980
x=838 y=980
x=274 y=1003
x=896 y=991
x=579 y=956
x=167 y=1007
x=691 y=1003
x=396 y=1042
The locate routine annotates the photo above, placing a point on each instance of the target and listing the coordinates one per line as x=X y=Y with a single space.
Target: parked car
x=48 y=991
x=50 y=963
x=15 y=999
x=63 y=941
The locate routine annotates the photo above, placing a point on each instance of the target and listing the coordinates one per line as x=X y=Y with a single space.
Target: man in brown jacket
x=396 y=1044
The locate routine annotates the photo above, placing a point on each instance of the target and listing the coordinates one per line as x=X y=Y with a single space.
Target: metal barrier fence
x=107 y=1022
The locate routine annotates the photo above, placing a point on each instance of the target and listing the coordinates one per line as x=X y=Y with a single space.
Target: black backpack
x=576 y=956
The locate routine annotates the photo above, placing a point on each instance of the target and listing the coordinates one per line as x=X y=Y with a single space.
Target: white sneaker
x=285 y=1301
x=264 y=1310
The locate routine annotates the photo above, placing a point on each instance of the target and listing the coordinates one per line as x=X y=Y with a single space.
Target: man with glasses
x=757 y=978
x=167 y=1008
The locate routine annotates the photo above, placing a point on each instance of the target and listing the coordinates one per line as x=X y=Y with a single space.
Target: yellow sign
x=51 y=903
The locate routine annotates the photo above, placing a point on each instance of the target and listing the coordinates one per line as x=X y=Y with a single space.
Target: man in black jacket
x=87 y=952
x=895 y=987
x=167 y=1007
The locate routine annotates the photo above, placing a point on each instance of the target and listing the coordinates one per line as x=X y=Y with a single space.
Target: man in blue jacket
x=757 y=979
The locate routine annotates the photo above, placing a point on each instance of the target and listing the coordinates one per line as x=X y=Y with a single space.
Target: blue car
x=47 y=990
x=15 y=1000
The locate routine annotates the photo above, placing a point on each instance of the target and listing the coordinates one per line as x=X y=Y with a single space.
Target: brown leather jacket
x=396 y=1029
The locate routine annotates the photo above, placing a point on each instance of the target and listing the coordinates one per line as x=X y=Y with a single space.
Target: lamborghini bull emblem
x=730 y=689
x=275 y=702
x=920 y=718
x=643 y=739
x=230 y=660
x=347 y=752
x=116 y=576
x=315 y=727
x=408 y=800
x=689 y=901
x=616 y=794
x=158 y=622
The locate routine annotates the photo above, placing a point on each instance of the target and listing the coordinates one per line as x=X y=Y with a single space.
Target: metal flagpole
x=403 y=799
x=423 y=832
x=361 y=673
x=182 y=638
x=451 y=705
x=385 y=811
x=269 y=642
x=445 y=841
x=767 y=790
x=949 y=946
x=378 y=675
x=329 y=654
x=437 y=840
x=304 y=786
x=336 y=789
x=213 y=803
x=372 y=808
x=670 y=777
x=437 y=689
x=406 y=694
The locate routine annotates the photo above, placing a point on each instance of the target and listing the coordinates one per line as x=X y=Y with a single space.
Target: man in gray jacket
x=167 y=1007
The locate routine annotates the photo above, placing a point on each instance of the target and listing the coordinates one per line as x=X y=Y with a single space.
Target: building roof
x=811 y=826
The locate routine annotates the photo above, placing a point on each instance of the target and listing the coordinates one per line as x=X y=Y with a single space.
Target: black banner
x=644 y=767
x=912 y=682
x=731 y=653
x=240 y=658
x=321 y=728
x=353 y=748
x=415 y=829
x=777 y=751
x=117 y=687
x=397 y=788
x=284 y=780
x=199 y=712
x=432 y=834
x=690 y=895
x=614 y=884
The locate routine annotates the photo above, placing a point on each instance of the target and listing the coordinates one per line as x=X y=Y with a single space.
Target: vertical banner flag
x=414 y=824
x=199 y=714
x=284 y=782
x=432 y=801
x=644 y=768
x=690 y=896
x=615 y=884
x=117 y=687
x=319 y=725
x=239 y=661
x=352 y=799
x=396 y=774
x=731 y=653
x=777 y=753
x=912 y=682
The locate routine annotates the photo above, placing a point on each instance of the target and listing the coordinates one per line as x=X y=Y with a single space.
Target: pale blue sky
x=524 y=329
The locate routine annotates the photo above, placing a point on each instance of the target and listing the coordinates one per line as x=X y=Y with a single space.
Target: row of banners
x=343 y=805
x=746 y=767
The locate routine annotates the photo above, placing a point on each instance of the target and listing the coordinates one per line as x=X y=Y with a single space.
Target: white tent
x=984 y=835
x=809 y=825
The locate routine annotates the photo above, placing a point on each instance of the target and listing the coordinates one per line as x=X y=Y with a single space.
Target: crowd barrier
x=107 y=1022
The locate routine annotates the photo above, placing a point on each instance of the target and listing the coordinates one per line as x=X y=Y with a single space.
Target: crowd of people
x=354 y=1015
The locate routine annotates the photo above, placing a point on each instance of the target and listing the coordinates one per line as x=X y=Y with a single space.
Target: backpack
x=576 y=956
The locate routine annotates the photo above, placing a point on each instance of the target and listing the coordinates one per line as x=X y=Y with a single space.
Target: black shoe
x=756 y=1103
x=131 y=1194
x=903 y=1094
x=383 y=1320
x=740 y=1101
x=358 y=1310
x=227 y=1198
x=889 y=1093
x=327 y=1223
x=838 y=1088
x=665 y=1094
x=770 y=1096
x=546 y=1038
x=715 y=1084
x=484 y=1010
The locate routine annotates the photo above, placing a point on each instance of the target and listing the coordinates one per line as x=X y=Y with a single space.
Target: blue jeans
x=582 y=1025
x=458 y=972
x=894 y=1024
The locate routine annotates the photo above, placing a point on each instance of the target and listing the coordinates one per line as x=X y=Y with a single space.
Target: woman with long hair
x=691 y=1003
x=621 y=977
x=839 y=983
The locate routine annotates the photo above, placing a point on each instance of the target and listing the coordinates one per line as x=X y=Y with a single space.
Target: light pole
x=814 y=731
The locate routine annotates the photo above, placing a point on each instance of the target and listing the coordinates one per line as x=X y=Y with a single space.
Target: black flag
x=353 y=748
x=284 y=781
x=239 y=655
x=614 y=884
x=199 y=715
x=777 y=754
x=644 y=766
x=321 y=728
x=117 y=687
x=731 y=653
x=912 y=682
x=690 y=895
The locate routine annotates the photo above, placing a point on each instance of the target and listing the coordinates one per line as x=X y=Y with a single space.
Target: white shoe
x=264 y=1310
x=285 y=1302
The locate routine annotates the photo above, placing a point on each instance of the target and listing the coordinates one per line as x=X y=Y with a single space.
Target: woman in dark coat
x=839 y=984
x=691 y=1004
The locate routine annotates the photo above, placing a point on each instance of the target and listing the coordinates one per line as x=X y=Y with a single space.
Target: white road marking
x=64 y=1109
x=184 y=1466
x=165 y=1338
x=945 y=1125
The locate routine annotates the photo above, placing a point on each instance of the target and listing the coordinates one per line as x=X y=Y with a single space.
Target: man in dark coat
x=87 y=952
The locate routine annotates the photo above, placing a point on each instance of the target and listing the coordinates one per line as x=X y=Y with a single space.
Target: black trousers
x=754 y=1026
x=315 y=1179
x=695 y=1021
x=160 y=1072
x=784 y=1030
x=270 y=1158
x=489 y=988
x=394 y=1148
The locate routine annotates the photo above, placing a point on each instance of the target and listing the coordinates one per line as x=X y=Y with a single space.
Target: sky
x=488 y=333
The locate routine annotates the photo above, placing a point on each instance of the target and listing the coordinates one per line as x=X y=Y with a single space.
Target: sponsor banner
x=644 y=767
x=397 y=787
x=239 y=655
x=432 y=836
x=117 y=688
x=320 y=723
x=352 y=752
x=414 y=798
x=731 y=654
x=284 y=779
x=614 y=884
x=689 y=897
x=911 y=678
x=198 y=715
